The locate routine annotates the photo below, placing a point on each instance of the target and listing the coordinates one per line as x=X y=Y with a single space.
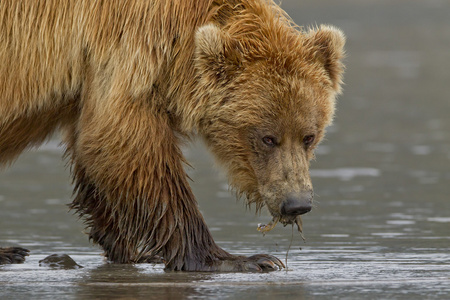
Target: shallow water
x=381 y=223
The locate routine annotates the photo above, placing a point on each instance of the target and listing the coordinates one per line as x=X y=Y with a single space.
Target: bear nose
x=297 y=204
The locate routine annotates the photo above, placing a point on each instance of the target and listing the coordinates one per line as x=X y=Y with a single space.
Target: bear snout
x=297 y=204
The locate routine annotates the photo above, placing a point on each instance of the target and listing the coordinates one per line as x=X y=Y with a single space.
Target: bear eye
x=308 y=140
x=269 y=141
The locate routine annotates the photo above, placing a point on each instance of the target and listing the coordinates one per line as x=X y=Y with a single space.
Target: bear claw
x=256 y=263
x=13 y=255
x=267 y=262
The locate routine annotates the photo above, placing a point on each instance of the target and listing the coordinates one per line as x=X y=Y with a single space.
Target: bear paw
x=255 y=263
x=13 y=255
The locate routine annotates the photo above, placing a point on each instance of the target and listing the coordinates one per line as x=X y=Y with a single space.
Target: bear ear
x=327 y=46
x=216 y=52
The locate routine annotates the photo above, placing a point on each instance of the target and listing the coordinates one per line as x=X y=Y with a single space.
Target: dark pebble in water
x=59 y=261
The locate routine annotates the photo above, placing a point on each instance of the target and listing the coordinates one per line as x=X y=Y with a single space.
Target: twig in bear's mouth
x=298 y=221
x=289 y=248
x=265 y=228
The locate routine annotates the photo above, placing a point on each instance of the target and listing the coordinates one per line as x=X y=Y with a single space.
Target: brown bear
x=128 y=81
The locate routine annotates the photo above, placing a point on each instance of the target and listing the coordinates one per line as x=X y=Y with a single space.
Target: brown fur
x=126 y=80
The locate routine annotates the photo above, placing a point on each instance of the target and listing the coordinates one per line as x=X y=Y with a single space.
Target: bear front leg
x=131 y=188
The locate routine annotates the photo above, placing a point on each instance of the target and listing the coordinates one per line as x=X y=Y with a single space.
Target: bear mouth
x=297 y=220
x=285 y=220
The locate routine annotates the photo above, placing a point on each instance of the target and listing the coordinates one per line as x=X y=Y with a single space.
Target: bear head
x=267 y=94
